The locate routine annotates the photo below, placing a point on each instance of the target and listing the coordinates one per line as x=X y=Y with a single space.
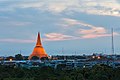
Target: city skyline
x=66 y=27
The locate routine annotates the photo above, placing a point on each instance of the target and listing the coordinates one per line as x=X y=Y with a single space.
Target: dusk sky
x=67 y=26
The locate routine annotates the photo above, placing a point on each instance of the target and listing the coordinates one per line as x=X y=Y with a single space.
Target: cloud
x=98 y=30
x=51 y=6
x=96 y=7
x=58 y=37
x=48 y=37
x=68 y=22
x=95 y=35
x=17 y=40
x=86 y=30
x=17 y=23
x=94 y=32
x=101 y=7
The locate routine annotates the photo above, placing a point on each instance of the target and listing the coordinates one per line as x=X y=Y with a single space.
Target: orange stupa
x=38 y=50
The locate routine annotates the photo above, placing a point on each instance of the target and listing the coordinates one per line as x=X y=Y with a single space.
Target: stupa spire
x=38 y=40
x=38 y=51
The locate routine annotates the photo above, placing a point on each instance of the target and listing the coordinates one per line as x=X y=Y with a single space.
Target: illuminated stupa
x=38 y=50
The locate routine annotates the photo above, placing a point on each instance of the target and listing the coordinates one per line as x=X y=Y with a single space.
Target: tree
x=98 y=76
x=18 y=57
x=35 y=58
x=101 y=72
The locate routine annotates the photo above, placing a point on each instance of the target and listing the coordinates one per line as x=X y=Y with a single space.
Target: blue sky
x=72 y=26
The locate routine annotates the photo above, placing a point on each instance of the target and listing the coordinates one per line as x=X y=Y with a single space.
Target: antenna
x=112 y=41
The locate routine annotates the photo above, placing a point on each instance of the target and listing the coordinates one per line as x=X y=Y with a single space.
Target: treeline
x=98 y=72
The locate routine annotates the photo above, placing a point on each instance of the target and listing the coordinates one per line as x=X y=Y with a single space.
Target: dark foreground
x=98 y=72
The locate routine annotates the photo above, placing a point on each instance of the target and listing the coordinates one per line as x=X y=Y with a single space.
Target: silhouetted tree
x=18 y=57
x=35 y=58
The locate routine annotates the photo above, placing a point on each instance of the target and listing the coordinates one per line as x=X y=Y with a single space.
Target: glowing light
x=93 y=57
x=98 y=57
x=50 y=57
x=10 y=59
x=84 y=66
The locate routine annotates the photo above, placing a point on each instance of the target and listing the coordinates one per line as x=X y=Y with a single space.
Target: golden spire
x=38 y=40
x=38 y=50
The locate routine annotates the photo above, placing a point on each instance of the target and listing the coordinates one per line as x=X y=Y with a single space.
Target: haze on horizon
x=67 y=27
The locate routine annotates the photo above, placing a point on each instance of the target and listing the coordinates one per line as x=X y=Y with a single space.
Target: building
x=38 y=51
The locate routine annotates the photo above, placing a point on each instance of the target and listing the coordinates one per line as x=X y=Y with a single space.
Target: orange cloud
x=86 y=30
x=98 y=30
x=58 y=37
x=95 y=33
